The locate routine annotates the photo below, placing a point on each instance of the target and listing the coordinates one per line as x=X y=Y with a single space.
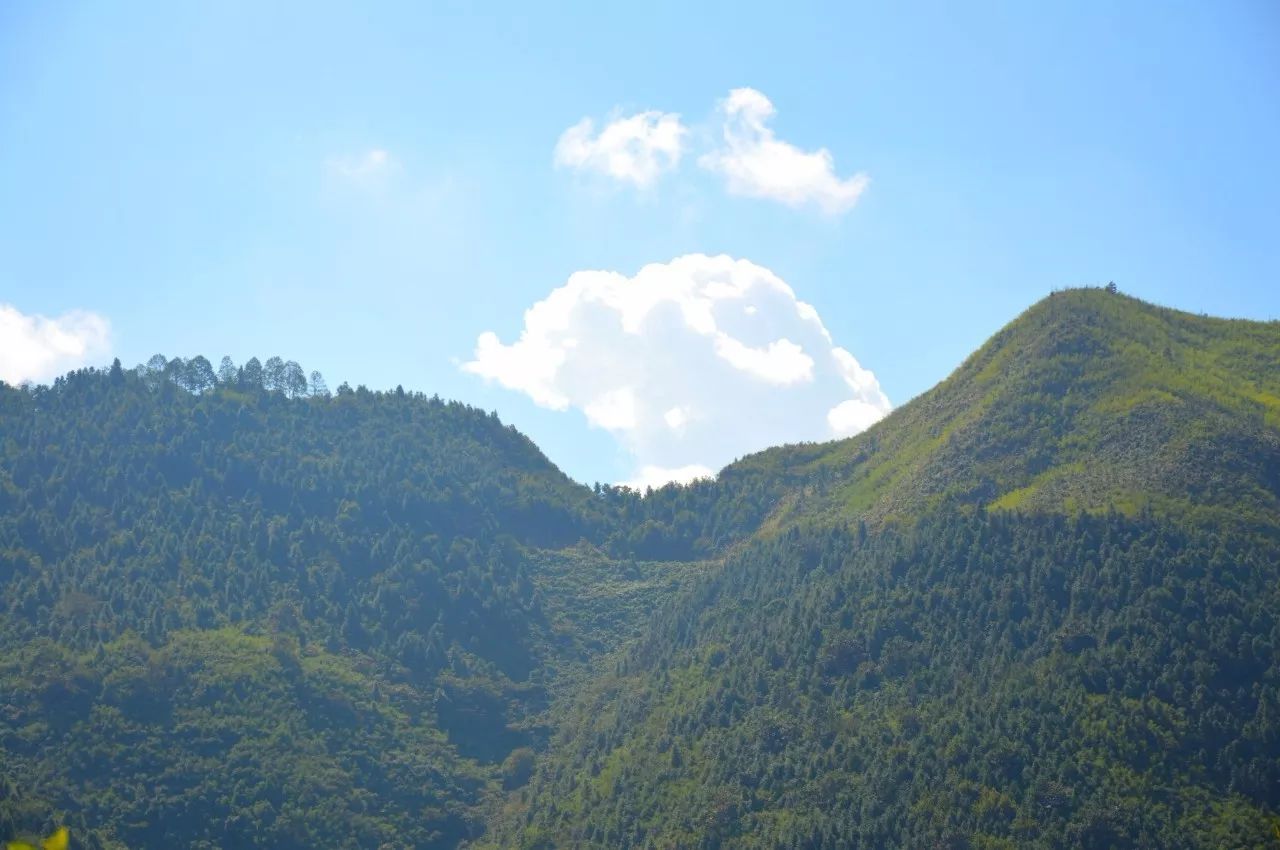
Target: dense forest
x=210 y=586
x=982 y=680
x=1035 y=607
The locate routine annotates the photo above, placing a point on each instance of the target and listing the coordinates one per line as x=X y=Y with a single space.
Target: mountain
x=206 y=594
x=978 y=681
x=1090 y=400
x=1034 y=607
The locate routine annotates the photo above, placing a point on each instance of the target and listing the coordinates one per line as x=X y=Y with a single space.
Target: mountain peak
x=1090 y=400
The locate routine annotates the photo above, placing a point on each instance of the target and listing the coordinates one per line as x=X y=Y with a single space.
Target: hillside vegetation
x=207 y=593
x=1090 y=400
x=1035 y=607
x=981 y=681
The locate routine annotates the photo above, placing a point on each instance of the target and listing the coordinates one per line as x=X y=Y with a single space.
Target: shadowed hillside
x=252 y=617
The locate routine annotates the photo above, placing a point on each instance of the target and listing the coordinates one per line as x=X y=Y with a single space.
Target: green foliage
x=219 y=738
x=1035 y=607
x=980 y=680
x=251 y=616
x=1087 y=401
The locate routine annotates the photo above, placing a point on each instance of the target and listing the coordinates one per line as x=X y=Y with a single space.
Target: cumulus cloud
x=689 y=364
x=755 y=163
x=364 y=168
x=634 y=150
x=36 y=348
x=656 y=476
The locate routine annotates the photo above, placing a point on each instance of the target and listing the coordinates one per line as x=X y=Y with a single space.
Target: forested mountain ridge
x=1034 y=607
x=209 y=583
x=1089 y=400
x=979 y=680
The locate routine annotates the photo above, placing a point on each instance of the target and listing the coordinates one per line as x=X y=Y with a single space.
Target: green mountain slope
x=980 y=681
x=1033 y=608
x=1088 y=400
x=241 y=618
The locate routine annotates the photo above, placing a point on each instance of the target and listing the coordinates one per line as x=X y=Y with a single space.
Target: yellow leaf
x=59 y=840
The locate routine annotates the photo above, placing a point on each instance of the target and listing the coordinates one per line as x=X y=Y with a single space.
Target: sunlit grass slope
x=1089 y=400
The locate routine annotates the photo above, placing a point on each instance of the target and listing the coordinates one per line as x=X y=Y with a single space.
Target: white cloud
x=364 y=169
x=852 y=416
x=36 y=348
x=676 y=418
x=615 y=410
x=756 y=164
x=656 y=476
x=635 y=150
x=782 y=362
x=690 y=363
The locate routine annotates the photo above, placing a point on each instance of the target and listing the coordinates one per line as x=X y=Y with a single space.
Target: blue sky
x=368 y=190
